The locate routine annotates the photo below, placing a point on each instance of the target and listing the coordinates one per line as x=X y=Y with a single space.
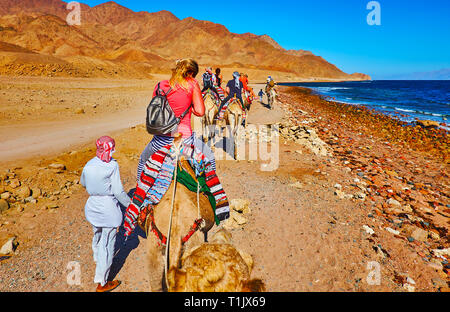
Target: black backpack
x=161 y=119
x=207 y=80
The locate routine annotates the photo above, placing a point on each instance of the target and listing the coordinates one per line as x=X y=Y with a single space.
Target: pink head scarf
x=105 y=148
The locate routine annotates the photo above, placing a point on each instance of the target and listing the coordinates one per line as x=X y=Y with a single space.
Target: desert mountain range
x=114 y=41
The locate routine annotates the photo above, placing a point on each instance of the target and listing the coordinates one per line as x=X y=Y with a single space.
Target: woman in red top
x=185 y=91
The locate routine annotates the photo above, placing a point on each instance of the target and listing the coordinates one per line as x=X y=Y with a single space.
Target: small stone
x=339 y=194
x=52 y=206
x=9 y=247
x=57 y=166
x=4 y=205
x=23 y=192
x=30 y=199
x=14 y=183
x=368 y=230
x=393 y=202
x=409 y=288
x=438 y=282
x=441 y=252
x=5 y=195
x=36 y=192
x=420 y=235
x=338 y=186
x=240 y=205
x=240 y=220
x=297 y=185
x=392 y=231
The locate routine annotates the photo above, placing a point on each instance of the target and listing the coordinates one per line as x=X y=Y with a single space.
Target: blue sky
x=413 y=35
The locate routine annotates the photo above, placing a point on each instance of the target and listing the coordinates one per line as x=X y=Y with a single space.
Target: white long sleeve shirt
x=102 y=182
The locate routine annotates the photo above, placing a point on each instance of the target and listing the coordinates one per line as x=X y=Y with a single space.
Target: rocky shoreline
x=400 y=170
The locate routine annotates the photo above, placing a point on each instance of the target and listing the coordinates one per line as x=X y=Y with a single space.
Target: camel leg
x=235 y=135
x=156 y=265
x=211 y=133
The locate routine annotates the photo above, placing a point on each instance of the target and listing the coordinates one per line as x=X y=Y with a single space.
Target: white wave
x=327 y=89
x=405 y=110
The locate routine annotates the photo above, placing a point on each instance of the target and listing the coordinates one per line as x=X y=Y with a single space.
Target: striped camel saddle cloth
x=185 y=176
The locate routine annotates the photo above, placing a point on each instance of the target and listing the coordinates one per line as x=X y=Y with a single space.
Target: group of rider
x=234 y=88
x=101 y=175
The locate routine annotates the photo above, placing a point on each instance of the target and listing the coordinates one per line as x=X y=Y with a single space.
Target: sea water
x=405 y=99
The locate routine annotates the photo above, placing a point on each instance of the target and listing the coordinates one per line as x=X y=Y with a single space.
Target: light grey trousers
x=103 y=248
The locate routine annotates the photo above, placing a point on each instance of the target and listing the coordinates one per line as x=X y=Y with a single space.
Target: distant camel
x=272 y=98
x=215 y=267
x=211 y=111
x=186 y=211
x=233 y=117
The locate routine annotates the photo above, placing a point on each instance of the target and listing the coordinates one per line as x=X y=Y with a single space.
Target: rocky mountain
x=124 y=42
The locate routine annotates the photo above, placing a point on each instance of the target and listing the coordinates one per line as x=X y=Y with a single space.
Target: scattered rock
x=360 y=196
x=5 y=196
x=339 y=194
x=23 y=192
x=9 y=247
x=420 y=235
x=240 y=220
x=438 y=282
x=240 y=205
x=441 y=252
x=52 y=206
x=392 y=231
x=393 y=202
x=30 y=199
x=36 y=192
x=297 y=185
x=368 y=230
x=4 y=205
x=428 y=123
x=14 y=183
x=57 y=166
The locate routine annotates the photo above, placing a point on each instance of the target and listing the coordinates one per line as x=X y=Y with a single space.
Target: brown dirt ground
x=301 y=239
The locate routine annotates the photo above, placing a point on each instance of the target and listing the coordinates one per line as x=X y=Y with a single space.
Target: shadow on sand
x=124 y=250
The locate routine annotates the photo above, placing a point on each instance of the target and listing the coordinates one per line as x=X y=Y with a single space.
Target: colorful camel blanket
x=219 y=90
x=157 y=176
x=224 y=108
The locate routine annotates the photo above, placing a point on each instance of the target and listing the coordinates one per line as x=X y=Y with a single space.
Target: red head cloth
x=105 y=148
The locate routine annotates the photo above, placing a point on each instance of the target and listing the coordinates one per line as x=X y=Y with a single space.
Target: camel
x=208 y=121
x=215 y=267
x=246 y=97
x=272 y=97
x=233 y=117
x=186 y=211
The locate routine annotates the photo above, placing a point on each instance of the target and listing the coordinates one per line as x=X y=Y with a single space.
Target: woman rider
x=186 y=92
